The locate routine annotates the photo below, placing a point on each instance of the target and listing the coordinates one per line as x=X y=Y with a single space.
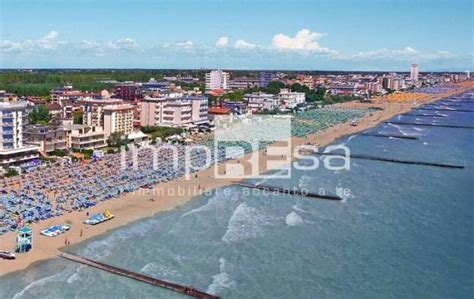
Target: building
x=265 y=78
x=217 y=79
x=48 y=138
x=290 y=99
x=243 y=83
x=386 y=82
x=238 y=108
x=258 y=101
x=128 y=91
x=67 y=93
x=12 y=149
x=85 y=137
x=414 y=72
x=118 y=119
x=153 y=86
x=7 y=97
x=174 y=109
x=110 y=114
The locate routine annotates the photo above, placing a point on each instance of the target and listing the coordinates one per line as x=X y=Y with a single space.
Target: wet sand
x=137 y=205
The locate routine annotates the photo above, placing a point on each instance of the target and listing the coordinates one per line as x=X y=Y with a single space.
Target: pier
x=389 y=136
x=292 y=191
x=444 y=109
x=392 y=160
x=429 y=125
x=424 y=115
x=186 y=290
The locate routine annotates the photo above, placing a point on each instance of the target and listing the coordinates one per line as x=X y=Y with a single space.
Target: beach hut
x=24 y=239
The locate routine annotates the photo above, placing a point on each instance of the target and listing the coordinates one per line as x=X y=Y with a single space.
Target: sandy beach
x=138 y=205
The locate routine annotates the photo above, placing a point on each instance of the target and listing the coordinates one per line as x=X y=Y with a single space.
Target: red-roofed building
x=219 y=111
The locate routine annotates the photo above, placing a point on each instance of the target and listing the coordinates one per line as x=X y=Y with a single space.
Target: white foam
x=417 y=129
x=222 y=280
x=160 y=270
x=36 y=283
x=74 y=277
x=304 y=181
x=296 y=207
x=246 y=222
x=214 y=202
x=293 y=219
x=398 y=128
x=352 y=137
x=425 y=143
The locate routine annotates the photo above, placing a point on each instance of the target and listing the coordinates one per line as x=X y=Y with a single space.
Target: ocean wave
x=304 y=181
x=76 y=275
x=161 y=271
x=215 y=202
x=400 y=130
x=36 y=283
x=293 y=219
x=222 y=280
x=246 y=222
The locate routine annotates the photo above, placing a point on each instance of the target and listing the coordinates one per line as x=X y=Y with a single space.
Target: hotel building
x=85 y=137
x=174 y=109
x=217 y=79
x=47 y=137
x=290 y=99
x=414 y=72
x=12 y=149
x=110 y=114
x=258 y=101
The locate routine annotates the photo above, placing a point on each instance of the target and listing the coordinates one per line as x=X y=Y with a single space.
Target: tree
x=11 y=172
x=39 y=115
x=116 y=139
x=78 y=117
x=274 y=87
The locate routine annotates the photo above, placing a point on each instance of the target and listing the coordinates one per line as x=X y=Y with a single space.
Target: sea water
x=402 y=231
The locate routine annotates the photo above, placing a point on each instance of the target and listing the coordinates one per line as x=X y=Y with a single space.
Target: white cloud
x=222 y=41
x=123 y=44
x=303 y=40
x=241 y=44
x=186 y=45
x=404 y=54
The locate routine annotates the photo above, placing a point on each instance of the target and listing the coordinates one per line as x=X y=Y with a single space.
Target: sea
x=401 y=231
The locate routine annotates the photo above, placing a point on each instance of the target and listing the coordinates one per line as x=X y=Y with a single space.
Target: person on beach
x=81 y=233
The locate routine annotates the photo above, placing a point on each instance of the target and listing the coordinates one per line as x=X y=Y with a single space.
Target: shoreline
x=136 y=206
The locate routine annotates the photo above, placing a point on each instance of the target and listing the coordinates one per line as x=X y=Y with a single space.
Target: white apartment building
x=217 y=79
x=290 y=99
x=85 y=137
x=414 y=72
x=12 y=149
x=173 y=109
x=110 y=114
x=258 y=101
x=118 y=118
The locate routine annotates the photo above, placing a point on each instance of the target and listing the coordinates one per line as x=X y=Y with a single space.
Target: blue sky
x=240 y=34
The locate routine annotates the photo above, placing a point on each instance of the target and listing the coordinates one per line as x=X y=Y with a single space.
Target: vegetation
x=337 y=98
x=162 y=132
x=78 y=117
x=86 y=152
x=11 y=173
x=117 y=139
x=274 y=87
x=59 y=153
x=39 y=115
x=311 y=95
x=40 y=83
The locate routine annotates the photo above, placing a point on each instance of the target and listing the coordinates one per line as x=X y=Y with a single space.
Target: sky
x=371 y=35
